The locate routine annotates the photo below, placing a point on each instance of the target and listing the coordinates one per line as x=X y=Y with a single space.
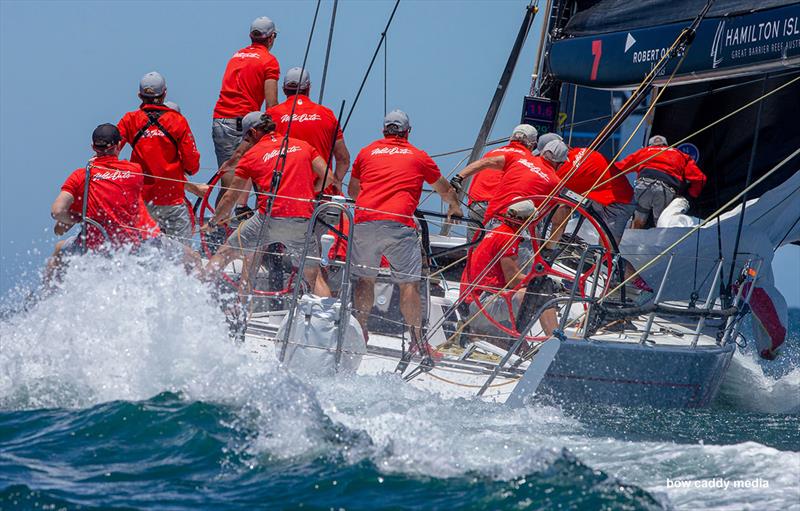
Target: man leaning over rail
x=302 y=171
x=386 y=184
x=663 y=174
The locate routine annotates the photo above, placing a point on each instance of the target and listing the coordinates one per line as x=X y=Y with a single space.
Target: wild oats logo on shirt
x=301 y=117
x=112 y=175
x=272 y=154
x=536 y=170
x=509 y=150
x=390 y=150
x=245 y=55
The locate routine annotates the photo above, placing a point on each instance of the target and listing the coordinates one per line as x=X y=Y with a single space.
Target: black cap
x=105 y=135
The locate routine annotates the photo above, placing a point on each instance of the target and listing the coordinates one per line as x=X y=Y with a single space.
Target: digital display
x=540 y=113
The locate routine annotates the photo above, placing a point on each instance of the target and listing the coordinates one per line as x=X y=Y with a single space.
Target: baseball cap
x=657 y=140
x=254 y=120
x=397 y=118
x=105 y=135
x=172 y=105
x=152 y=85
x=296 y=78
x=522 y=209
x=544 y=139
x=526 y=133
x=262 y=27
x=557 y=149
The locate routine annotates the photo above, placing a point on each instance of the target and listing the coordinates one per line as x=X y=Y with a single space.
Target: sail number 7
x=597 y=52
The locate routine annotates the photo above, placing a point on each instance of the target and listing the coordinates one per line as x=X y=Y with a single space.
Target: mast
x=499 y=93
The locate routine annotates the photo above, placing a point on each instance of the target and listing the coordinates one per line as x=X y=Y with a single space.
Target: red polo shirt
x=668 y=160
x=483 y=184
x=243 y=82
x=115 y=199
x=297 y=181
x=391 y=171
x=525 y=176
x=500 y=240
x=164 y=162
x=594 y=168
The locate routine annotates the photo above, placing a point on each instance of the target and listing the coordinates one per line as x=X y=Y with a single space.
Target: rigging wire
x=328 y=51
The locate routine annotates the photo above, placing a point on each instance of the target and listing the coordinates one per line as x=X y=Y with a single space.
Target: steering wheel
x=206 y=210
x=561 y=262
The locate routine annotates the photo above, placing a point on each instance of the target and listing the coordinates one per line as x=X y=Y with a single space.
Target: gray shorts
x=397 y=242
x=291 y=232
x=651 y=197
x=615 y=216
x=226 y=138
x=476 y=211
x=174 y=221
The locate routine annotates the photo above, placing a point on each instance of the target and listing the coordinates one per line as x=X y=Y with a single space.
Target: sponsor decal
x=533 y=168
x=301 y=117
x=109 y=175
x=153 y=132
x=629 y=41
x=509 y=150
x=691 y=150
x=275 y=152
x=390 y=150
x=716 y=59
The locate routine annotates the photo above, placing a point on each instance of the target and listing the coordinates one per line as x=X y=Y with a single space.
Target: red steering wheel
x=206 y=207
x=562 y=262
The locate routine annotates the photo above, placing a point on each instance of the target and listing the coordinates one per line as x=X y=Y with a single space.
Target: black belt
x=238 y=123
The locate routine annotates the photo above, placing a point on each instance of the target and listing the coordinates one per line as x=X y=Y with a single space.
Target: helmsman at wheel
x=293 y=204
x=386 y=184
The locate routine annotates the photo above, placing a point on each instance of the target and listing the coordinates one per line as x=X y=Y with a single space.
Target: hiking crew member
x=503 y=275
x=162 y=143
x=292 y=206
x=663 y=174
x=528 y=175
x=312 y=123
x=610 y=197
x=489 y=171
x=250 y=78
x=386 y=183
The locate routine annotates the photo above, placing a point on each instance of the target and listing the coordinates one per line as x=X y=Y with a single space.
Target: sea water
x=122 y=390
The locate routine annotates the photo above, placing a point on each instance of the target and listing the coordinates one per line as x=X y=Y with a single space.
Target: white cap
x=152 y=85
x=253 y=120
x=293 y=79
x=555 y=151
x=657 y=140
x=526 y=134
x=544 y=139
x=262 y=27
x=522 y=209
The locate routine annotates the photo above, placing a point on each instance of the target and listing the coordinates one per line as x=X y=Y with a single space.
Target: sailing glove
x=456 y=182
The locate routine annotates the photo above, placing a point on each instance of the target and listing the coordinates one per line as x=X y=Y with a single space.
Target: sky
x=66 y=67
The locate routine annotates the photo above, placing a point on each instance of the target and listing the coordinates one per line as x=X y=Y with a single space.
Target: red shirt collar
x=153 y=106
x=518 y=145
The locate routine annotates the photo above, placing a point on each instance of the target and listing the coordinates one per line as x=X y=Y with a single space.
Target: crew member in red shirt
x=312 y=123
x=489 y=171
x=114 y=202
x=610 y=195
x=197 y=189
x=499 y=251
x=386 y=184
x=528 y=175
x=162 y=143
x=250 y=79
x=292 y=207
x=663 y=174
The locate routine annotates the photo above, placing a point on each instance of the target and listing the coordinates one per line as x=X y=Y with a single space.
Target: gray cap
x=522 y=209
x=294 y=80
x=555 y=151
x=657 y=140
x=253 y=120
x=526 y=134
x=152 y=85
x=397 y=118
x=544 y=139
x=262 y=27
x=173 y=105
